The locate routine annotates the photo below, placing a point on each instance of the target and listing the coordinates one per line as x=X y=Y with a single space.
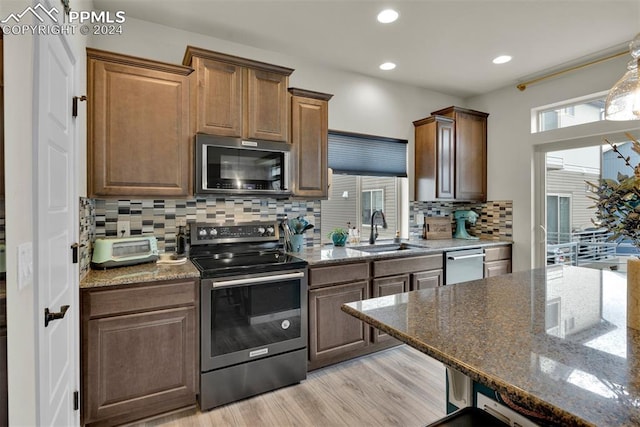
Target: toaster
x=123 y=251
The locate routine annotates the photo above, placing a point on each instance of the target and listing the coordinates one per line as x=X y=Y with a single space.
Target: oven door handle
x=254 y=280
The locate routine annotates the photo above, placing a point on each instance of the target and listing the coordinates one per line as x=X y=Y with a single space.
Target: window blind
x=356 y=154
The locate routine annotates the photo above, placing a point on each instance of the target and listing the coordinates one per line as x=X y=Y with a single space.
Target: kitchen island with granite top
x=552 y=343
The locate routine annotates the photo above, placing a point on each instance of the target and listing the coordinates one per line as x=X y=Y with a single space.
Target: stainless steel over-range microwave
x=233 y=166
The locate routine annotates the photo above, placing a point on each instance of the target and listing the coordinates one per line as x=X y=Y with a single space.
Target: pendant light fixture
x=623 y=100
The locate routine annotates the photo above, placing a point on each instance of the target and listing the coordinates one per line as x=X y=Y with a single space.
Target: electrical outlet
x=124 y=229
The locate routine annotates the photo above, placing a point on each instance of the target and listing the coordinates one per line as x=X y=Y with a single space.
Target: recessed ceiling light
x=387 y=16
x=387 y=66
x=502 y=59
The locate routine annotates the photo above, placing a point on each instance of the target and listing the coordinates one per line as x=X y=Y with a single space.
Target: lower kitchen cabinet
x=139 y=350
x=388 y=286
x=332 y=332
x=497 y=260
x=427 y=279
x=335 y=336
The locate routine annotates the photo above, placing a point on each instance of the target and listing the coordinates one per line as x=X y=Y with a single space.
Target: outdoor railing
x=581 y=247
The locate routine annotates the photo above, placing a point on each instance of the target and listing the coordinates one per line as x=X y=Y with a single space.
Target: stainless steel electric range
x=253 y=312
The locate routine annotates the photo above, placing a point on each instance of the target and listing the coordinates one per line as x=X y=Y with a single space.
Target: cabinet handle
x=50 y=317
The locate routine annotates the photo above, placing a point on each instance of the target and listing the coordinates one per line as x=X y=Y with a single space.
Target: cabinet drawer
x=342 y=273
x=497 y=253
x=142 y=297
x=497 y=268
x=395 y=266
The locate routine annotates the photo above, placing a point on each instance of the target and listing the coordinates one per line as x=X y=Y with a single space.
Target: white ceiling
x=443 y=45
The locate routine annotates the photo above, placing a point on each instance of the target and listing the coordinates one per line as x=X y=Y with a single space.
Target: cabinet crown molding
x=193 y=51
x=151 y=64
x=432 y=119
x=453 y=109
x=310 y=94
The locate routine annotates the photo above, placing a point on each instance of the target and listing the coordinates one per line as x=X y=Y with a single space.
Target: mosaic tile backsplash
x=99 y=218
x=495 y=221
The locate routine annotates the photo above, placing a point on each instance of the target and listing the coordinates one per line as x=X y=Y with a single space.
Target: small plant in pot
x=339 y=236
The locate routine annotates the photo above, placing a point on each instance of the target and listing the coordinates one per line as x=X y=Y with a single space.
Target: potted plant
x=618 y=210
x=339 y=236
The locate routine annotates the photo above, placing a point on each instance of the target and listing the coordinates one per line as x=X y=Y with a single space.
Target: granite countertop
x=149 y=272
x=331 y=254
x=552 y=340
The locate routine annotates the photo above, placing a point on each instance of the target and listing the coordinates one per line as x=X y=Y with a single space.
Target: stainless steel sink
x=395 y=247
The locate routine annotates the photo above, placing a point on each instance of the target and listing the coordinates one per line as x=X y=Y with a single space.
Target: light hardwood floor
x=395 y=387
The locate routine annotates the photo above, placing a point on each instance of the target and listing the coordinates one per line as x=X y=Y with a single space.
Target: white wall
x=18 y=83
x=360 y=103
x=511 y=144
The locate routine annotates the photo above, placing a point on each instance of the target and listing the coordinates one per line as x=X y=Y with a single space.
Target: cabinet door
x=388 y=286
x=445 y=160
x=471 y=156
x=332 y=332
x=267 y=115
x=434 y=158
x=309 y=134
x=497 y=268
x=426 y=280
x=140 y=365
x=219 y=102
x=138 y=125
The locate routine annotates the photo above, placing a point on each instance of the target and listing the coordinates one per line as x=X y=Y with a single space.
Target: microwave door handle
x=255 y=280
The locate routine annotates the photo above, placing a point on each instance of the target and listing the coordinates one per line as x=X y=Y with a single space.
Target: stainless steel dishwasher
x=463 y=265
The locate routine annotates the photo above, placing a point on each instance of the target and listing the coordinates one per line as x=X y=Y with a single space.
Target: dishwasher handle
x=456 y=258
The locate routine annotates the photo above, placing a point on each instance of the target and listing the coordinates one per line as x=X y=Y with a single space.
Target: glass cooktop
x=228 y=264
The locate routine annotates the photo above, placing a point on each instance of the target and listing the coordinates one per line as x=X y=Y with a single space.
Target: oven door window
x=242 y=169
x=245 y=317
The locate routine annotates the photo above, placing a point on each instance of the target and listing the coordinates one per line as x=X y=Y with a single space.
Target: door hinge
x=74 y=252
x=76 y=400
x=74 y=107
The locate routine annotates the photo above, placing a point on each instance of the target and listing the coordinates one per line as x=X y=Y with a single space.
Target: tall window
x=372 y=200
x=570 y=113
x=558 y=218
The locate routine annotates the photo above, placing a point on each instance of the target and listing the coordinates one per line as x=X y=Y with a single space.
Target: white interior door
x=56 y=211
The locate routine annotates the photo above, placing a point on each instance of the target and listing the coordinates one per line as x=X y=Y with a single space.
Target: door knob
x=50 y=317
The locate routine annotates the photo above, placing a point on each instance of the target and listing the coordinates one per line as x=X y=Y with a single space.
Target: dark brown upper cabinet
x=138 y=127
x=451 y=156
x=309 y=143
x=239 y=97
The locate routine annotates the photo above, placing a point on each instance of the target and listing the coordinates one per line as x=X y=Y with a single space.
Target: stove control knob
x=285 y=324
x=213 y=232
x=261 y=230
x=270 y=231
x=202 y=232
